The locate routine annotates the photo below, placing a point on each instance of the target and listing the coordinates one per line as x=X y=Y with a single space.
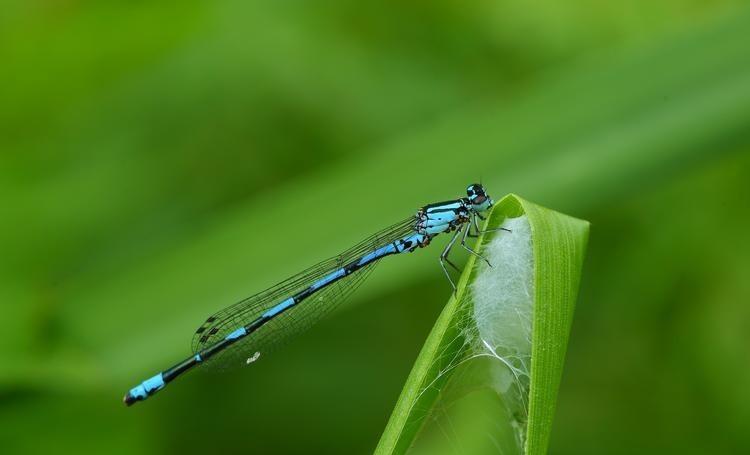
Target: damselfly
x=242 y=331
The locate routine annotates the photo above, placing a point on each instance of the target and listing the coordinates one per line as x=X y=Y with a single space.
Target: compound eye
x=474 y=189
x=479 y=199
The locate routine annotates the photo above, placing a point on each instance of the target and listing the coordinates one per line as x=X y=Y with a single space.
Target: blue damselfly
x=243 y=330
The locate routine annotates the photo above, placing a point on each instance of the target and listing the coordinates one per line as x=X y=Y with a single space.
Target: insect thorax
x=441 y=217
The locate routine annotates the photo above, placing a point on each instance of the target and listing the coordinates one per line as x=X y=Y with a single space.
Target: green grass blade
x=457 y=397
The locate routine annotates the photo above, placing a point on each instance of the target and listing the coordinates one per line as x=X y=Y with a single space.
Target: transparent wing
x=299 y=317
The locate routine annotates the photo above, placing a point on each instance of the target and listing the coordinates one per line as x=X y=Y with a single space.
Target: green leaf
x=471 y=389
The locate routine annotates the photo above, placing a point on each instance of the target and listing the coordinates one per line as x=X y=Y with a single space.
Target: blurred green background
x=159 y=161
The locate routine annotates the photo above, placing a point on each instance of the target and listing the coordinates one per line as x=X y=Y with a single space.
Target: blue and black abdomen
x=321 y=287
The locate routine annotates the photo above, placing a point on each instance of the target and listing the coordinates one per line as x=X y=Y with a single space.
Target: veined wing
x=299 y=317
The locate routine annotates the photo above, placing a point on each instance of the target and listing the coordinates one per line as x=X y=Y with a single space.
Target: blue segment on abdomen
x=148 y=387
x=380 y=252
x=239 y=333
x=327 y=279
x=279 y=308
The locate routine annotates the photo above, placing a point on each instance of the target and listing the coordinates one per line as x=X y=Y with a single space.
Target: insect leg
x=479 y=231
x=466 y=247
x=444 y=258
